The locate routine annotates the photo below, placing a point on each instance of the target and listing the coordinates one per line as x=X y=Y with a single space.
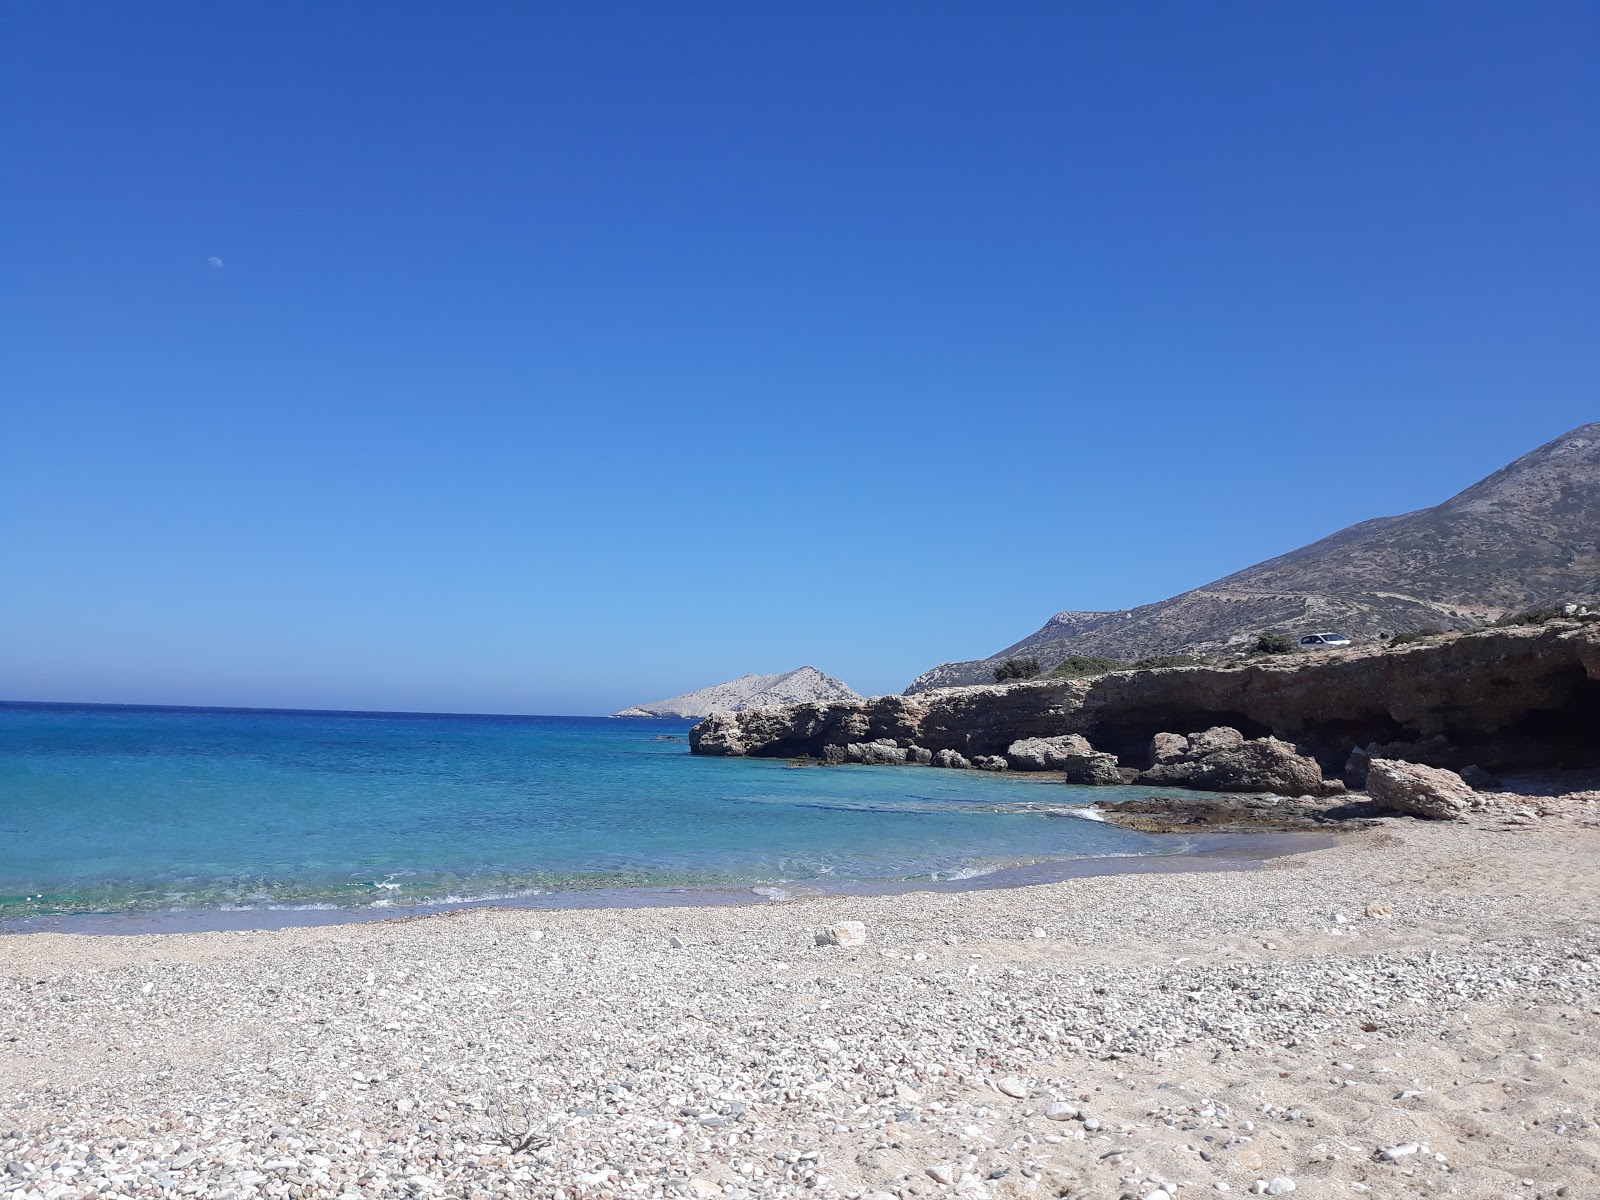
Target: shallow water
x=143 y=810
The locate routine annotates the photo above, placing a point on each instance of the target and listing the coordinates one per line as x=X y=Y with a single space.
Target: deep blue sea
x=124 y=810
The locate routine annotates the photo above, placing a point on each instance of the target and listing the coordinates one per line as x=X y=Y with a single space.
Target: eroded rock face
x=1508 y=699
x=1220 y=760
x=1419 y=791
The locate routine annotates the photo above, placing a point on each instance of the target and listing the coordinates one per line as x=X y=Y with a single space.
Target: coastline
x=1431 y=990
x=1205 y=852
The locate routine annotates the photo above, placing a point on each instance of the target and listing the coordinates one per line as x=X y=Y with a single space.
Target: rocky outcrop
x=1238 y=813
x=1419 y=791
x=950 y=759
x=802 y=685
x=1528 y=535
x=1506 y=699
x=1221 y=760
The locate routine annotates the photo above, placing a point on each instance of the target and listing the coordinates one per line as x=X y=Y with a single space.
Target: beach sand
x=1196 y=1032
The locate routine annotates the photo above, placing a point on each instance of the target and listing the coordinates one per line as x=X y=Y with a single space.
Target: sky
x=549 y=358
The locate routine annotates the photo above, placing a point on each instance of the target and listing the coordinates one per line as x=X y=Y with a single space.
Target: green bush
x=1016 y=668
x=1156 y=662
x=1414 y=635
x=1273 y=643
x=1535 y=616
x=1079 y=665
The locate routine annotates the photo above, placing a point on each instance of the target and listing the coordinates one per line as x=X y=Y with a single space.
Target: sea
x=130 y=819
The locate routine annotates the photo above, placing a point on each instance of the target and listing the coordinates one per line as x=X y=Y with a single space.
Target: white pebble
x=1280 y=1185
x=1014 y=1088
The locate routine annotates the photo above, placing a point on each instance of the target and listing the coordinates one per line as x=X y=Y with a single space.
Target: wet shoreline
x=1208 y=853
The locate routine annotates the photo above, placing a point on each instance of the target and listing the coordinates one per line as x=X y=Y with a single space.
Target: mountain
x=748 y=691
x=1526 y=536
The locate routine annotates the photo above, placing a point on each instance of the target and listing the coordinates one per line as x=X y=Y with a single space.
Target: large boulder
x=1220 y=760
x=1094 y=768
x=990 y=762
x=1216 y=740
x=1047 y=754
x=950 y=758
x=1419 y=791
x=1168 y=747
x=881 y=753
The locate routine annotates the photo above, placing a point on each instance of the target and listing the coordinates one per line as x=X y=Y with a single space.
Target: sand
x=1141 y=1035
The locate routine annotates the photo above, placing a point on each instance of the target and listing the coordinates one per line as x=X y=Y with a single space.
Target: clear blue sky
x=563 y=356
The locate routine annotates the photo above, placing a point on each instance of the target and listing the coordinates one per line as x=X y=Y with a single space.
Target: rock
x=1263 y=765
x=1479 y=780
x=942 y=1173
x=1396 y=1153
x=1094 y=769
x=1234 y=814
x=990 y=762
x=845 y=933
x=881 y=753
x=1418 y=791
x=1046 y=754
x=1168 y=747
x=1379 y=912
x=833 y=755
x=704 y=1188
x=1158 y=1194
x=1214 y=741
x=1059 y=1110
x=1014 y=1088
x=919 y=754
x=1280 y=1185
x=676 y=942
x=949 y=758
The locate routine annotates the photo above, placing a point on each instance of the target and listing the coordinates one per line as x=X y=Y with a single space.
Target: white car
x=1318 y=641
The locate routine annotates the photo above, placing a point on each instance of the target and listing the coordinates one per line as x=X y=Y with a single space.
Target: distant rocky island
x=801 y=686
x=1525 y=537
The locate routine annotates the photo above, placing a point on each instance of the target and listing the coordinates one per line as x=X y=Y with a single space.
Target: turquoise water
x=122 y=810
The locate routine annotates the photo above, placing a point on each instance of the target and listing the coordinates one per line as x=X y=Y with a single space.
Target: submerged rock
x=1238 y=814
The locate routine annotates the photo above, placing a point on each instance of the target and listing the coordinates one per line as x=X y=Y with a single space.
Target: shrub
x=1016 y=668
x=1414 y=635
x=1079 y=665
x=1156 y=662
x=1274 y=643
x=1538 y=616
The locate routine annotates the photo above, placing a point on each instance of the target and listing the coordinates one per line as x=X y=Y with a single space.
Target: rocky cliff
x=1501 y=699
x=802 y=685
x=1526 y=536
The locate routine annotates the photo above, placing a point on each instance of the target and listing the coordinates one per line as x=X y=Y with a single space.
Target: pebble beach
x=1412 y=1011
